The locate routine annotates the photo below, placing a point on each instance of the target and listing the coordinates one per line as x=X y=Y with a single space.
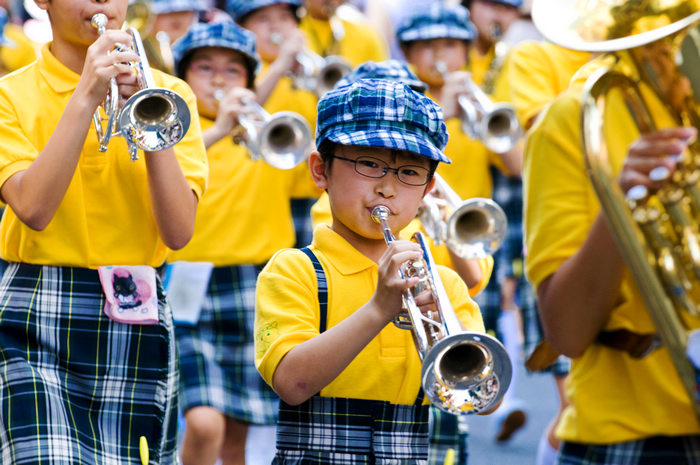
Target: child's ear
x=318 y=170
x=429 y=186
x=43 y=4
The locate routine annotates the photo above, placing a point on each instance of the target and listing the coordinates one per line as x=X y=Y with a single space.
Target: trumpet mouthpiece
x=99 y=21
x=379 y=213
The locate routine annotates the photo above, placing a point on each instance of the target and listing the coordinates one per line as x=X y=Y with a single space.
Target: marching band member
x=242 y=221
x=627 y=403
x=331 y=353
x=89 y=361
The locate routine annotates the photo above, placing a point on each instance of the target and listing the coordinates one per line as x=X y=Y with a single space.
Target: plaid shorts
x=328 y=430
x=217 y=357
x=656 y=450
x=77 y=387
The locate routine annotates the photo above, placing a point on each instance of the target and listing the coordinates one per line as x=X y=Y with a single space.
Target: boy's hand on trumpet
x=391 y=286
x=107 y=58
x=456 y=84
x=231 y=106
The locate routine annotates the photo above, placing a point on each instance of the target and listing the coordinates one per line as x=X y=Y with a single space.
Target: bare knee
x=204 y=428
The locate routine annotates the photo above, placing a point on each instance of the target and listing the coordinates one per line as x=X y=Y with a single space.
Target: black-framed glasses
x=412 y=175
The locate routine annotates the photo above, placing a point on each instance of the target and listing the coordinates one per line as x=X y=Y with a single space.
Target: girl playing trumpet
x=86 y=334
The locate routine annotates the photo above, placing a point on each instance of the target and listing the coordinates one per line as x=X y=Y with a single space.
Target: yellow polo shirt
x=105 y=217
x=287 y=314
x=538 y=72
x=359 y=43
x=245 y=216
x=285 y=97
x=613 y=397
x=479 y=64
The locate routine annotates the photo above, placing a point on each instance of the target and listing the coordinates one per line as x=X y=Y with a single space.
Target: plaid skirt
x=217 y=356
x=656 y=450
x=75 y=386
x=447 y=431
x=335 y=431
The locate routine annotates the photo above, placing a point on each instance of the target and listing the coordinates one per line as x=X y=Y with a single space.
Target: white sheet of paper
x=186 y=286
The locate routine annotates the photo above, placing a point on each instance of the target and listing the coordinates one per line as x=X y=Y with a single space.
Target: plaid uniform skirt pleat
x=328 y=430
x=656 y=450
x=447 y=432
x=75 y=386
x=217 y=356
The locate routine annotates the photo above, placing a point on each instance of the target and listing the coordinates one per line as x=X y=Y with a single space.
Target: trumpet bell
x=333 y=70
x=500 y=129
x=154 y=119
x=284 y=140
x=477 y=228
x=466 y=372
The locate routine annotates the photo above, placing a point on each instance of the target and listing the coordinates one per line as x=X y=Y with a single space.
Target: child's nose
x=386 y=185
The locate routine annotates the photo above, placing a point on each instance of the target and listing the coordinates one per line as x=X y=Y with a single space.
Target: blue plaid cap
x=437 y=22
x=394 y=70
x=224 y=34
x=171 y=6
x=382 y=113
x=240 y=8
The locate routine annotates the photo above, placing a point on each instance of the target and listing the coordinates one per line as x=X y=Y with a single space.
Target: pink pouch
x=130 y=293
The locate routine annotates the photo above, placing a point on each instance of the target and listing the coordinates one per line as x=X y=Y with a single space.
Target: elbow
x=177 y=241
x=35 y=219
x=292 y=391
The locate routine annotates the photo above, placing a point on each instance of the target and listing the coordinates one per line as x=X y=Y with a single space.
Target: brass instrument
x=653 y=49
x=317 y=74
x=152 y=119
x=475 y=228
x=462 y=371
x=282 y=140
x=495 y=124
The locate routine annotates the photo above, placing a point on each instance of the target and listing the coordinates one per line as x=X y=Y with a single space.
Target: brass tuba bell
x=654 y=60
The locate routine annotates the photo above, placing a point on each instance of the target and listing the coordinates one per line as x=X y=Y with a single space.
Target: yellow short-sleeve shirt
x=245 y=216
x=287 y=314
x=359 y=42
x=538 y=72
x=613 y=397
x=21 y=51
x=105 y=217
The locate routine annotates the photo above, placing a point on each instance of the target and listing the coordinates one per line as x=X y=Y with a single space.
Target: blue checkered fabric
x=239 y=8
x=517 y=3
x=217 y=357
x=393 y=70
x=382 y=113
x=655 y=450
x=77 y=387
x=436 y=22
x=225 y=34
x=171 y=6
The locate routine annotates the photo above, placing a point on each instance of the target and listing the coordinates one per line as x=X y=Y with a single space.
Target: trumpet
x=152 y=119
x=317 y=74
x=494 y=124
x=462 y=372
x=476 y=227
x=282 y=140
x=320 y=74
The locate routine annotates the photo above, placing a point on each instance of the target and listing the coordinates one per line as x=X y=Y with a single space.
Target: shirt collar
x=343 y=256
x=58 y=76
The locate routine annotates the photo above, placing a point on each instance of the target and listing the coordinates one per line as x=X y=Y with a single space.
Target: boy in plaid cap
x=241 y=223
x=348 y=378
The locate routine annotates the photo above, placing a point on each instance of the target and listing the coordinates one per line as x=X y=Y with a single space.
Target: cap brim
x=391 y=139
x=435 y=31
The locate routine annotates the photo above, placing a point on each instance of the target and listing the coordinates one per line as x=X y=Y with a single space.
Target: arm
x=572 y=314
x=285 y=62
x=313 y=364
x=36 y=193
